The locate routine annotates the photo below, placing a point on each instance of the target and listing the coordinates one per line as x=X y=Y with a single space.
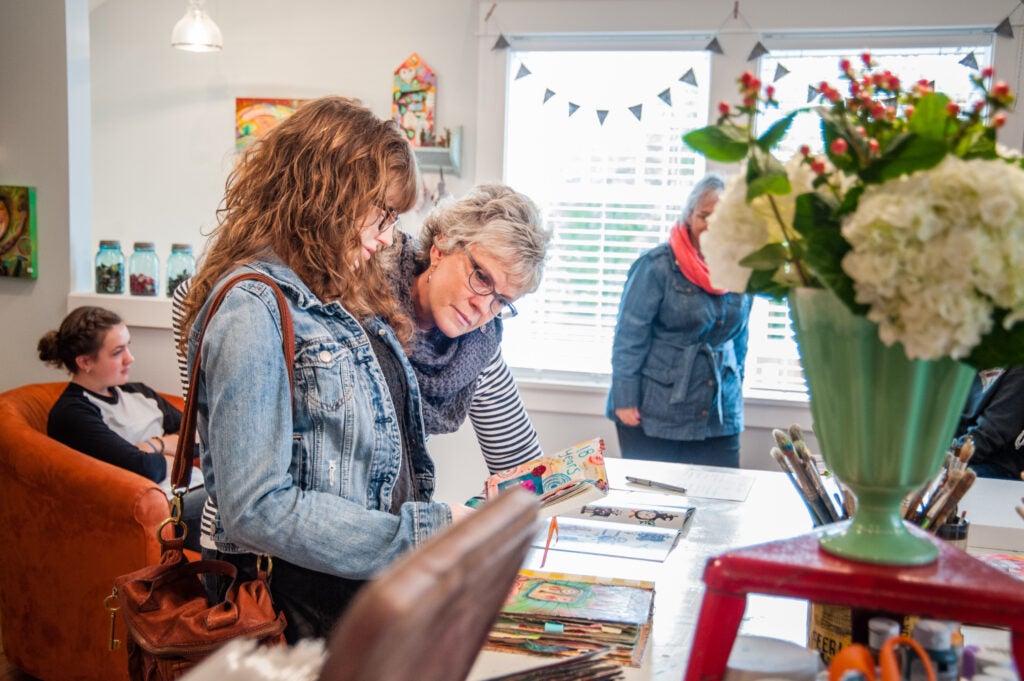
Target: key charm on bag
x=171 y=624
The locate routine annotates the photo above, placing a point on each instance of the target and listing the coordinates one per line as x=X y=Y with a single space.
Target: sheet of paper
x=610 y=539
x=196 y=481
x=727 y=484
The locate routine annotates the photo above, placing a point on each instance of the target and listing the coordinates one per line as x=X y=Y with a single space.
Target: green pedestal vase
x=884 y=423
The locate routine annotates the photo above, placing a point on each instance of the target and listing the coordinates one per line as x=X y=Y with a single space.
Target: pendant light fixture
x=196 y=32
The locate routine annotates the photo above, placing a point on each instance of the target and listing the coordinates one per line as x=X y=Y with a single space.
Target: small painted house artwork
x=19 y=250
x=414 y=95
x=254 y=117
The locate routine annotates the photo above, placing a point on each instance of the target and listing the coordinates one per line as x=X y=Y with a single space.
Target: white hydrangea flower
x=737 y=228
x=934 y=254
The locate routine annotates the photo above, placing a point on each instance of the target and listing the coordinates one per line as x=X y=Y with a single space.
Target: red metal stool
x=954 y=587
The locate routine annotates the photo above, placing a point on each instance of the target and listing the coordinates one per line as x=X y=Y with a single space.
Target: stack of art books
x=549 y=613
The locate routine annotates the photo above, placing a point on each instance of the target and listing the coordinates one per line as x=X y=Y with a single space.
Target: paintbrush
x=915 y=509
x=799 y=483
x=811 y=466
x=806 y=487
x=954 y=492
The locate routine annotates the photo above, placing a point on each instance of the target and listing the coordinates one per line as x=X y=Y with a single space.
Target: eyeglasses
x=388 y=219
x=482 y=284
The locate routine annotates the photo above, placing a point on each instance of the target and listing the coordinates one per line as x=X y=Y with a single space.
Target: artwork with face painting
x=413 y=98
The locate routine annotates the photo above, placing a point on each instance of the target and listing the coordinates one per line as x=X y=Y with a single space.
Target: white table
x=772 y=510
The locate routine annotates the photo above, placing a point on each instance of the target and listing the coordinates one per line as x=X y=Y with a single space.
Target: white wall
x=162 y=129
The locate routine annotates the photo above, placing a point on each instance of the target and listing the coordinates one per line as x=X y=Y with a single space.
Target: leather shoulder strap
x=181 y=471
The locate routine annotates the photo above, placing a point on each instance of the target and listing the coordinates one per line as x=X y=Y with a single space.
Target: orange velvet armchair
x=69 y=524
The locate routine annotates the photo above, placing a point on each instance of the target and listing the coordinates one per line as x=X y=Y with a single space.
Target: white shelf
x=145 y=311
x=448 y=159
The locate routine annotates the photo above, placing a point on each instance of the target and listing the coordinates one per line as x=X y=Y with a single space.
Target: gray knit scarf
x=446 y=369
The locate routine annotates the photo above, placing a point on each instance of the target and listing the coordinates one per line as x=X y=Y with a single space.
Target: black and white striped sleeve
x=177 y=313
x=503 y=429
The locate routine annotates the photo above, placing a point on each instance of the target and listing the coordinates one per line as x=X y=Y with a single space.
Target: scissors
x=858 y=658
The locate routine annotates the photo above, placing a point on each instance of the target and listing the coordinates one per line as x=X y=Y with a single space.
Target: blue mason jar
x=180 y=266
x=144 y=270
x=110 y=267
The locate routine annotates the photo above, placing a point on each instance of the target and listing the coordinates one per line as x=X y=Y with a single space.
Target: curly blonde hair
x=302 y=191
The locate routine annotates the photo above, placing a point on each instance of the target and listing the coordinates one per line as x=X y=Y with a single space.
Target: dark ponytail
x=81 y=333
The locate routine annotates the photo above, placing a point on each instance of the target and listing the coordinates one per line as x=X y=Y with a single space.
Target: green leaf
x=769 y=257
x=824 y=245
x=930 y=117
x=775 y=133
x=765 y=175
x=999 y=347
x=718 y=143
x=905 y=155
x=763 y=282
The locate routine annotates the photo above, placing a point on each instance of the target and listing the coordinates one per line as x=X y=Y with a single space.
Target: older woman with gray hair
x=678 y=351
x=458 y=281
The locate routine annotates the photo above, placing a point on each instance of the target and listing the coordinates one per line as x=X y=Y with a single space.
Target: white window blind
x=609 y=191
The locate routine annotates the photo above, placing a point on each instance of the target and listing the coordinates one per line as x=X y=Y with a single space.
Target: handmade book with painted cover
x=565 y=480
x=549 y=613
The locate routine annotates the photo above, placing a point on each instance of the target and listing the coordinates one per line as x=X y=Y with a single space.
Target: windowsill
x=140 y=311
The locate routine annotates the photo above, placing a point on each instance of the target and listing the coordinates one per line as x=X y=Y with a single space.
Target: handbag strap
x=185 y=452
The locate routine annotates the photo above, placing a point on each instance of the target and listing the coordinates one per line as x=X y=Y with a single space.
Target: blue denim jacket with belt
x=309 y=481
x=678 y=352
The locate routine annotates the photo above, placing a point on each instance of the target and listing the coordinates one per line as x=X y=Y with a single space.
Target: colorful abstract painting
x=19 y=250
x=254 y=117
x=412 y=104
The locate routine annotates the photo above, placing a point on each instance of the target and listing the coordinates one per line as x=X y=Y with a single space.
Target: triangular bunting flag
x=758 y=51
x=637 y=110
x=690 y=78
x=501 y=43
x=893 y=101
x=666 y=96
x=931 y=84
x=523 y=72
x=970 y=61
x=601 y=115
x=713 y=46
x=573 y=108
x=1004 y=28
x=780 y=72
x=812 y=93
x=548 y=94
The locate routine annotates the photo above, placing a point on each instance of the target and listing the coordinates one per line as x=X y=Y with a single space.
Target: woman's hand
x=629 y=416
x=170 y=444
x=460 y=512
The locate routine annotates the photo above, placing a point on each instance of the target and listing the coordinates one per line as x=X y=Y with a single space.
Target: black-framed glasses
x=388 y=219
x=482 y=284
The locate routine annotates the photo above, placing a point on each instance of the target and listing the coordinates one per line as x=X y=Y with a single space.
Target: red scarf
x=689 y=260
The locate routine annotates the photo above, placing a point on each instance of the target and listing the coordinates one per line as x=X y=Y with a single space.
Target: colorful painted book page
x=610 y=539
x=635 y=508
x=19 y=246
x=564 y=481
x=549 y=613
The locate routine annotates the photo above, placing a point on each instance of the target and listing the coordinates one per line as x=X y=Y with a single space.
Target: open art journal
x=565 y=480
x=549 y=613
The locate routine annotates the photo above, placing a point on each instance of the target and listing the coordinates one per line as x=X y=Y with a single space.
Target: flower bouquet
x=901 y=250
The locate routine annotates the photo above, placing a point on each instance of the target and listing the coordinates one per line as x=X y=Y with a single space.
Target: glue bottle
x=935 y=636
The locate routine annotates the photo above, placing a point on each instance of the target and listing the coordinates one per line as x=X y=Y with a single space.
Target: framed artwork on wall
x=255 y=116
x=19 y=250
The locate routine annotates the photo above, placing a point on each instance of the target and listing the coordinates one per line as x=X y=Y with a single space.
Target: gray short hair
x=712 y=182
x=500 y=221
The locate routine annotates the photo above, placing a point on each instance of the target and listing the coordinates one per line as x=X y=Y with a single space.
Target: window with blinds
x=595 y=139
x=611 y=178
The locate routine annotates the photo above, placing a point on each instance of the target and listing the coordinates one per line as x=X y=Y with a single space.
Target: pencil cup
x=955 y=533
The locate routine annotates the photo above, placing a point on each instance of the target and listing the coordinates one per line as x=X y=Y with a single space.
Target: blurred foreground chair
x=426 y=618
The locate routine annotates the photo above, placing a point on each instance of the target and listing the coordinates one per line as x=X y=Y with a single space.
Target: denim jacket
x=308 y=480
x=678 y=353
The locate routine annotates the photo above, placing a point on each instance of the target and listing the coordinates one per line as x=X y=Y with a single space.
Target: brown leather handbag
x=171 y=624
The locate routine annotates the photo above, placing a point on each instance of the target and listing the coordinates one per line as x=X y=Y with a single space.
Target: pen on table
x=655 y=484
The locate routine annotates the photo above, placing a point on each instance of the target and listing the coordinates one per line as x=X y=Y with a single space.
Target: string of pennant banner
x=1003 y=30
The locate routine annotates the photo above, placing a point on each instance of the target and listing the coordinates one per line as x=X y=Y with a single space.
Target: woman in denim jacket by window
x=678 y=353
x=337 y=483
